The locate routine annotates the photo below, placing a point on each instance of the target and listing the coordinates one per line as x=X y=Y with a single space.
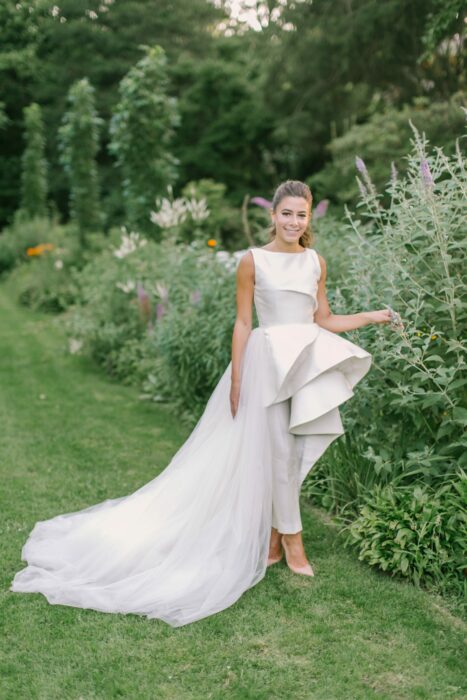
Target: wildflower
x=170 y=214
x=360 y=165
x=419 y=333
x=212 y=242
x=129 y=244
x=425 y=172
x=126 y=287
x=39 y=249
x=195 y=297
x=197 y=209
x=261 y=202
x=321 y=209
x=74 y=345
x=58 y=264
x=433 y=337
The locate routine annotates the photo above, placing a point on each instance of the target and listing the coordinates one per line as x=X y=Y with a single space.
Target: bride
x=190 y=542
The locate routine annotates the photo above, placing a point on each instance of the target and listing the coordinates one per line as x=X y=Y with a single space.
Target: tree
x=78 y=141
x=142 y=130
x=34 y=165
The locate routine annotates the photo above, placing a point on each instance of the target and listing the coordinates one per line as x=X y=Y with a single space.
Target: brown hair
x=293 y=188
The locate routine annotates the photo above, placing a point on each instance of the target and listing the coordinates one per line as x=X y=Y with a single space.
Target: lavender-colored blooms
x=160 y=311
x=360 y=165
x=425 y=172
x=195 y=297
x=321 y=209
x=261 y=202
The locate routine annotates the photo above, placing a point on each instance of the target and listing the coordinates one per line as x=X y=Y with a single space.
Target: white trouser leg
x=285 y=477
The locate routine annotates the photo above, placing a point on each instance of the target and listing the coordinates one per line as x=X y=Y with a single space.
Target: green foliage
x=34 y=165
x=190 y=348
x=385 y=139
x=142 y=129
x=52 y=256
x=78 y=149
x=23 y=233
x=224 y=130
x=415 y=532
x=409 y=412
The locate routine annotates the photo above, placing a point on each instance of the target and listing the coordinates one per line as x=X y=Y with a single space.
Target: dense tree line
x=255 y=105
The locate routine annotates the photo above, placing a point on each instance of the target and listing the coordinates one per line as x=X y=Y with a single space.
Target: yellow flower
x=433 y=337
x=212 y=242
x=418 y=333
x=31 y=252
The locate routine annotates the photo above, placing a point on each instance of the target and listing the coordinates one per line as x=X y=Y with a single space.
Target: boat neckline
x=282 y=252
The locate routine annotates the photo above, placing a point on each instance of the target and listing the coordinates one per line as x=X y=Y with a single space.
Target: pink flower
x=425 y=172
x=360 y=165
x=261 y=202
x=321 y=209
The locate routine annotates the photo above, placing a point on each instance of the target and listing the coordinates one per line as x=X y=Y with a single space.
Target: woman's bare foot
x=275 y=546
x=295 y=549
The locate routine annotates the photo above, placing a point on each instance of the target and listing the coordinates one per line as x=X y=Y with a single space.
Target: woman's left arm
x=347 y=322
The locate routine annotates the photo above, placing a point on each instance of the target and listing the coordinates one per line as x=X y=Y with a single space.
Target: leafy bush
x=47 y=279
x=409 y=411
x=385 y=138
x=160 y=315
x=416 y=532
x=23 y=233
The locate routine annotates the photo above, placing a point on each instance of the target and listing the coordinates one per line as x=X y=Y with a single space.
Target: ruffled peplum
x=317 y=370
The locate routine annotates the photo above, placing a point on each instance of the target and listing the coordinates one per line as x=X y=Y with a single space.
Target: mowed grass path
x=71 y=438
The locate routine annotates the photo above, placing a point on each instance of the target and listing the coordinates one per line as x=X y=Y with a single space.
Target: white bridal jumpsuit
x=190 y=542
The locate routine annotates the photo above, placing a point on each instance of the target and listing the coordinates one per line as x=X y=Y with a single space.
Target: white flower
x=129 y=243
x=197 y=208
x=126 y=287
x=170 y=214
x=74 y=345
x=162 y=291
x=58 y=264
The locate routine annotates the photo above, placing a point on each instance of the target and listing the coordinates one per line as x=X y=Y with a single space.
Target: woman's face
x=291 y=218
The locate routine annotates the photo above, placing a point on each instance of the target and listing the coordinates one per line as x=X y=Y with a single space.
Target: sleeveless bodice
x=285 y=286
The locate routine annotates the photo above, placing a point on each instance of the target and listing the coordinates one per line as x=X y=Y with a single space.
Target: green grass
x=69 y=439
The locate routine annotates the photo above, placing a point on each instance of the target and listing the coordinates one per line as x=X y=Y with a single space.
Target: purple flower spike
x=425 y=172
x=360 y=165
x=321 y=209
x=195 y=297
x=261 y=202
x=160 y=311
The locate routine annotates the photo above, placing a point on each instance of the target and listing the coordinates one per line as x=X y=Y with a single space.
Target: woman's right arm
x=243 y=323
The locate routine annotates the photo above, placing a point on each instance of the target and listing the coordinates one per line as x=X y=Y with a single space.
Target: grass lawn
x=71 y=438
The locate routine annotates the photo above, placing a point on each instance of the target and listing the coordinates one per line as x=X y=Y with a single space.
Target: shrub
x=415 y=532
x=409 y=411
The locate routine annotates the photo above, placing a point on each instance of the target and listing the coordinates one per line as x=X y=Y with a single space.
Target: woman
x=191 y=541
